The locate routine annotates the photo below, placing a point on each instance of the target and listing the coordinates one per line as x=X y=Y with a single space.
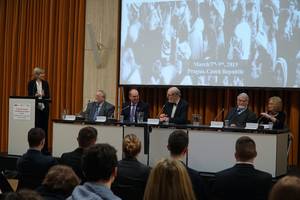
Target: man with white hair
x=240 y=115
x=175 y=109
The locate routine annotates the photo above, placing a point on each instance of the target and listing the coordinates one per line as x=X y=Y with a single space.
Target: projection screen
x=249 y=43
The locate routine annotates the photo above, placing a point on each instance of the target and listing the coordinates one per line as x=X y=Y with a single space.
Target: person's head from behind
x=274 y=104
x=245 y=149
x=131 y=146
x=287 y=187
x=173 y=94
x=100 y=96
x=61 y=179
x=87 y=136
x=178 y=143
x=134 y=96
x=242 y=101
x=169 y=180
x=36 y=138
x=99 y=163
x=22 y=195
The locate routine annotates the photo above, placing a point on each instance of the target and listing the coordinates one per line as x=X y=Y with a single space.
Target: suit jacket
x=242 y=181
x=180 y=116
x=198 y=183
x=240 y=120
x=32 y=168
x=141 y=107
x=280 y=119
x=32 y=89
x=131 y=179
x=73 y=159
x=107 y=110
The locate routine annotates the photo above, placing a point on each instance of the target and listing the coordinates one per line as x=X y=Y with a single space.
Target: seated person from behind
x=99 y=165
x=100 y=107
x=243 y=181
x=33 y=165
x=175 y=109
x=287 y=187
x=132 y=175
x=58 y=183
x=178 y=146
x=241 y=114
x=131 y=108
x=274 y=113
x=87 y=137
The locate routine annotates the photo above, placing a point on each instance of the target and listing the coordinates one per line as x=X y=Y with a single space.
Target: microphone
x=161 y=110
x=120 y=111
x=218 y=114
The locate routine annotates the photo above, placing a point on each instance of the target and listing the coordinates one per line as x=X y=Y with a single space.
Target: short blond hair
x=131 y=146
x=277 y=103
x=38 y=70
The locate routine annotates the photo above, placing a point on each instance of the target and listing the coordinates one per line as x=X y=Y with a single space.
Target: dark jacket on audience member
x=32 y=168
x=73 y=159
x=242 y=181
x=131 y=179
x=198 y=183
x=241 y=119
x=48 y=194
x=180 y=116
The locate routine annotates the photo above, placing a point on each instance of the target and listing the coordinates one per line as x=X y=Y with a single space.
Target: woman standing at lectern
x=39 y=88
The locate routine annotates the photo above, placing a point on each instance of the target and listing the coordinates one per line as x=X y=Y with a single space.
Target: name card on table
x=251 y=126
x=70 y=117
x=216 y=124
x=101 y=119
x=153 y=121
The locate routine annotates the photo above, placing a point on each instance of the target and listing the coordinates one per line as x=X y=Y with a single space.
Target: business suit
x=131 y=179
x=73 y=159
x=242 y=181
x=41 y=116
x=180 y=116
x=198 y=183
x=107 y=110
x=32 y=168
x=140 y=107
x=241 y=119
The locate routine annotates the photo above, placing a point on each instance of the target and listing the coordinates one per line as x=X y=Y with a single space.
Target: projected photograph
x=250 y=43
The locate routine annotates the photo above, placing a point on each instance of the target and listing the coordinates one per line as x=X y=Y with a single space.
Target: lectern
x=21 y=120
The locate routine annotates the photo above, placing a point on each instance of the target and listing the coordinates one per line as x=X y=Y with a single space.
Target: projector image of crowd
x=259 y=37
x=92 y=171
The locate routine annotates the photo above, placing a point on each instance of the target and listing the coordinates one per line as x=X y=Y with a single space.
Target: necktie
x=132 y=113
x=96 y=112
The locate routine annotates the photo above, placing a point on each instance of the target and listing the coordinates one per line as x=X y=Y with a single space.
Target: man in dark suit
x=99 y=107
x=33 y=165
x=131 y=108
x=87 y=137
x=178 y=146
x=175 y=110
x=243 y=181
x=39 y=88
x=241 y=114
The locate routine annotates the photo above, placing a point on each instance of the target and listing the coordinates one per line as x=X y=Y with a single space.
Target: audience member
x=243 y=181
x=240 y=115
x=87 y=137
x=274 y=113
x=33 y=165
x=132 y=175
x=178 y=146
x=287 y=187
x=22 y=195
x=169 y=180
x=175 y=110
x=131 y=108
x=58 y=183
x=99 y=164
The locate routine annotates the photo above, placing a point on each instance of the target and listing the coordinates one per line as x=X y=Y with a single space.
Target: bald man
x=175 y=109
x=240 y=115
x=133 y=106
